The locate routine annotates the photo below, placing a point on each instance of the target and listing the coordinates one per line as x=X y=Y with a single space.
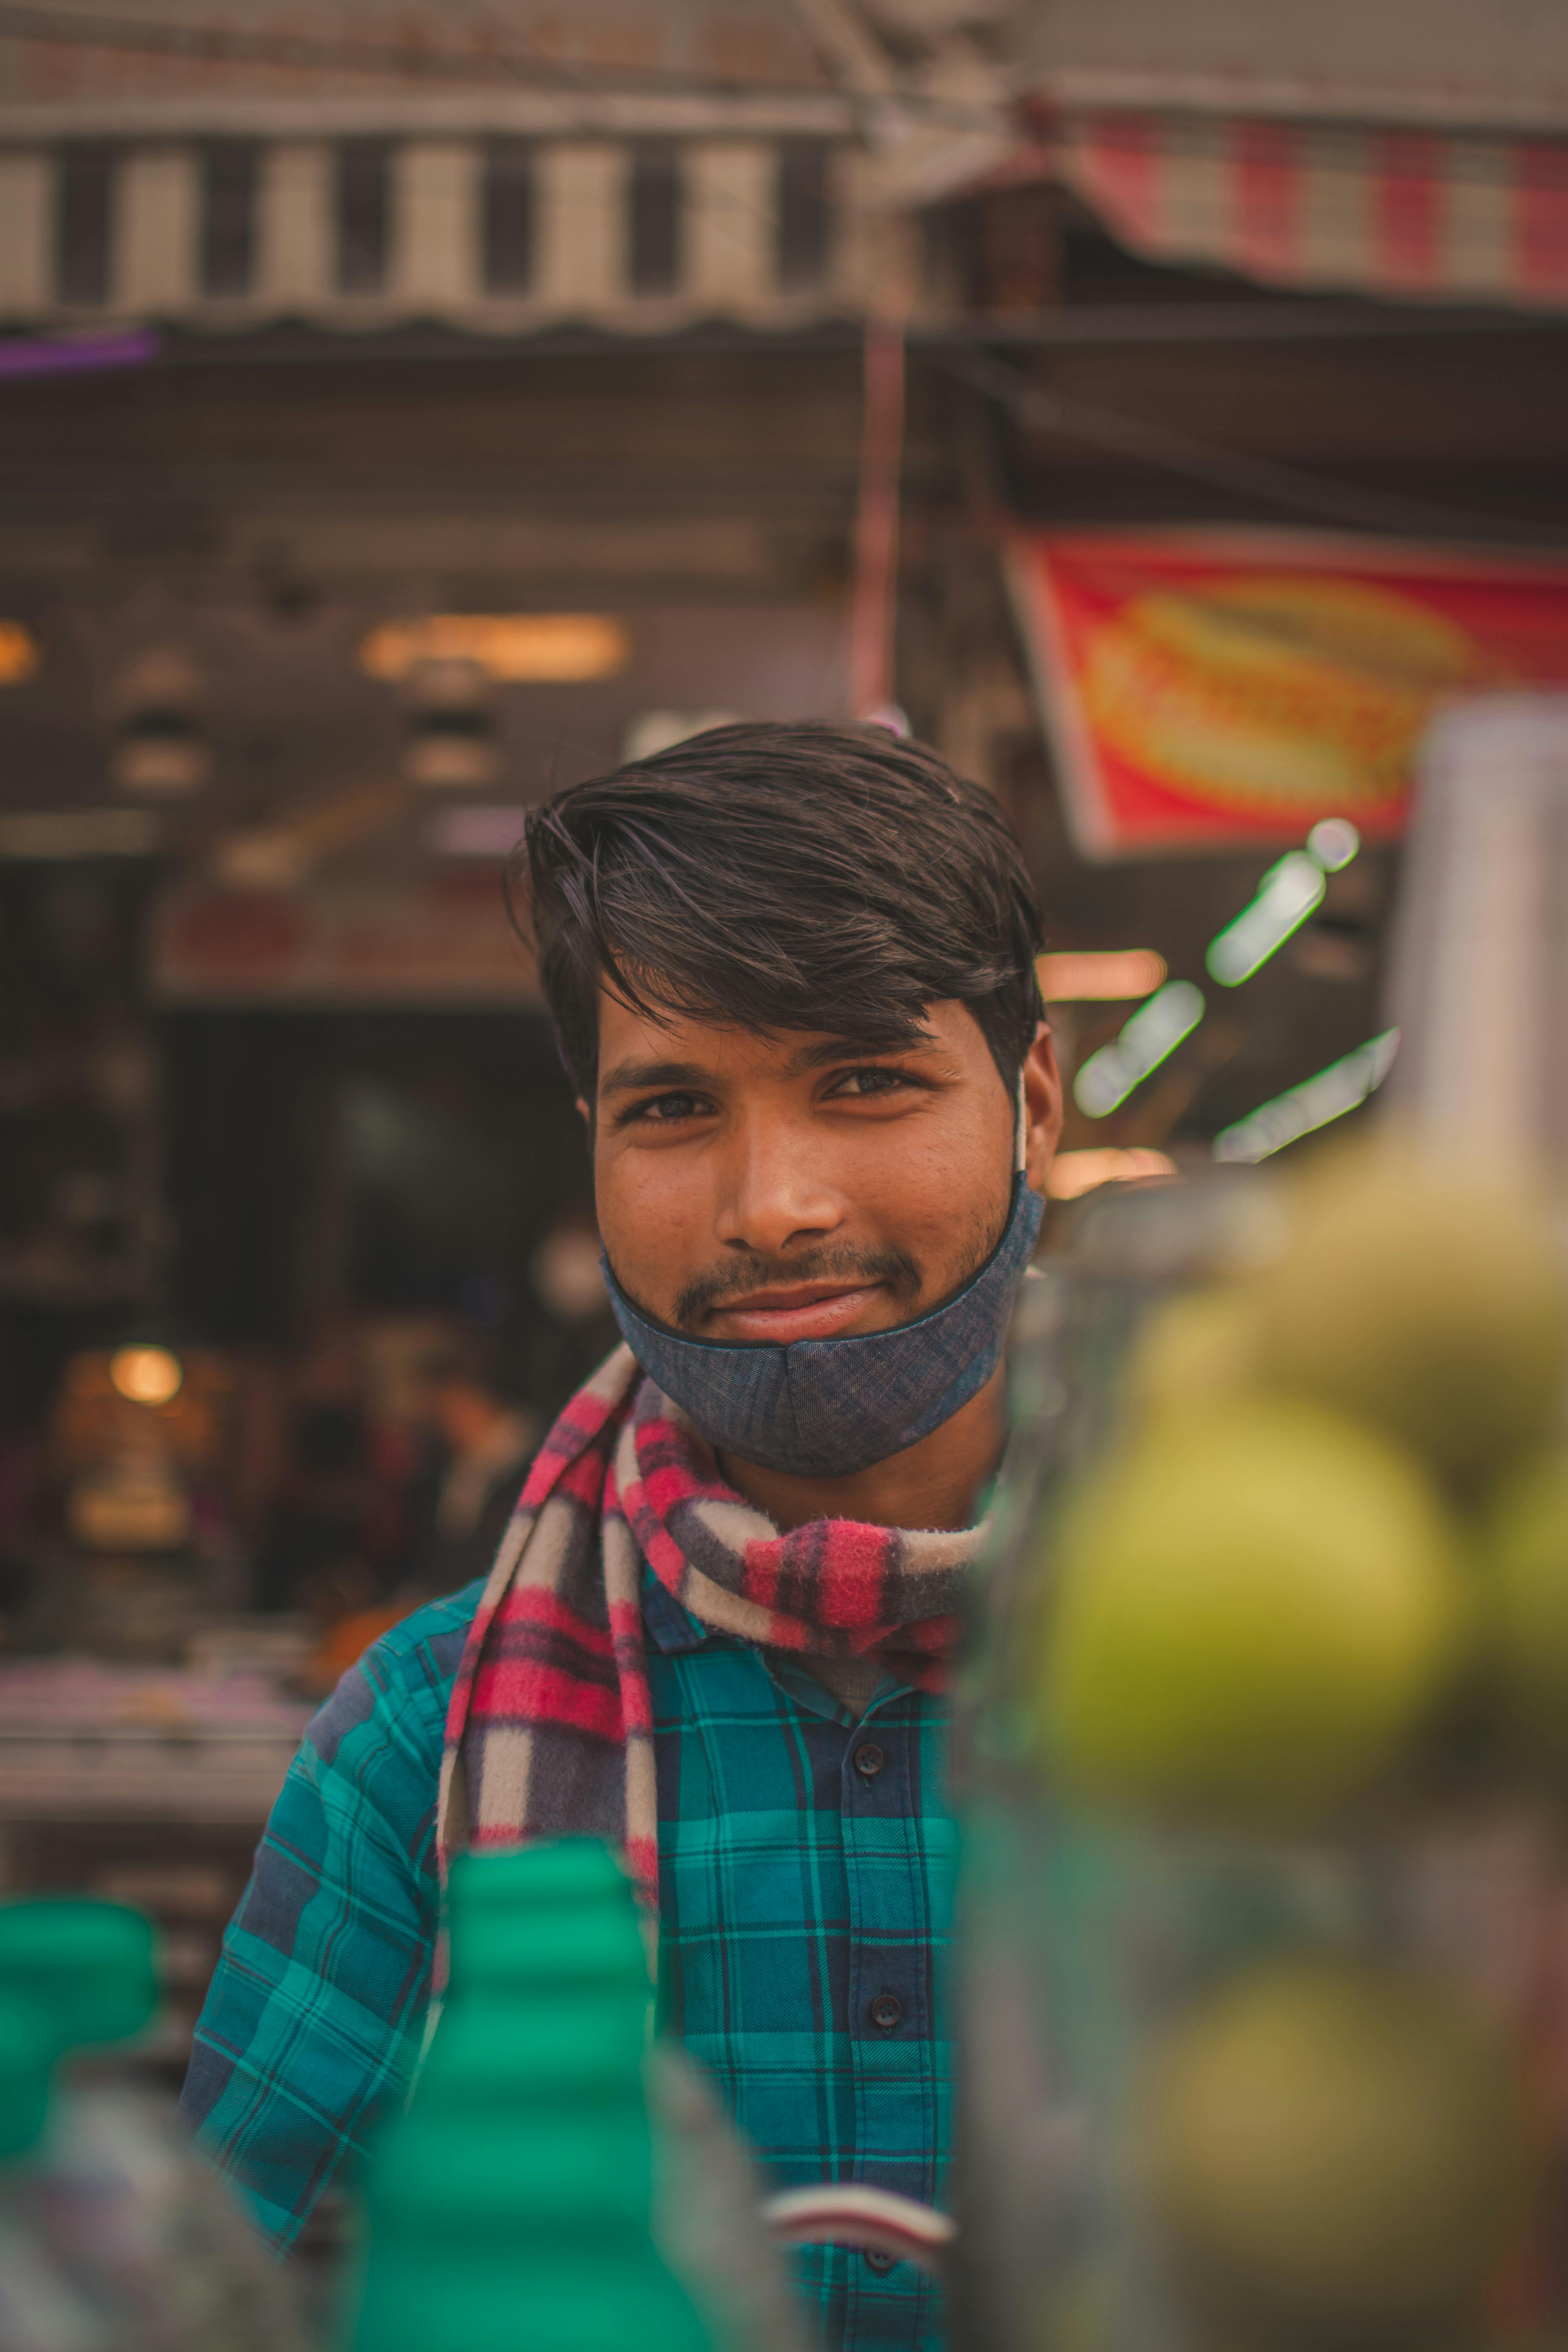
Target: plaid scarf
x=551 y=1727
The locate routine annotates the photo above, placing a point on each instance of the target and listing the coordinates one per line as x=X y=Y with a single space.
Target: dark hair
x=836 y=878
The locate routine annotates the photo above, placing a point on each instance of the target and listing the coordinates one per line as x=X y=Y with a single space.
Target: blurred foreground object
x=1262 y=1792
x=1335 y=2152
x=115 y=2236
x=1425 y=1302
x=1481 y=970
x=1255 y=1606
x=525 y=2175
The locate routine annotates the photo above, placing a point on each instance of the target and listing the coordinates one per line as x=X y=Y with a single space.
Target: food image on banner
x=1205 y=689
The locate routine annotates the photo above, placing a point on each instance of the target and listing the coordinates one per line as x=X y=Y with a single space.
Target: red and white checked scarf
x=551 y=1727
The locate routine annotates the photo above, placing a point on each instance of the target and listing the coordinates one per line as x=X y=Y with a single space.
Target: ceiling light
x=1156 y=1030
x=1094 y=975
x=18 y=653
x=144 y=1375
x=1333 y=841
x=451 y=749
x=1301 y=1110
x=161 y=755
x=518 y=648
x=1286 y=895
x=1072 y=1172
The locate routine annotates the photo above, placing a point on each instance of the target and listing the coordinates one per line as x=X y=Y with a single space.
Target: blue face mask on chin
x=827 y=1408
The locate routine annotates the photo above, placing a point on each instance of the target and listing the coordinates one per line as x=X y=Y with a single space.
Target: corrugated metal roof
x=1442 y=62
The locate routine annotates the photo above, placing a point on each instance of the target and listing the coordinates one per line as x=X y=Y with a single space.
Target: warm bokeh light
x=518 y=648
x=1072 y=1172
x=1098 y=975
x=146 y=1375
x=18 y=653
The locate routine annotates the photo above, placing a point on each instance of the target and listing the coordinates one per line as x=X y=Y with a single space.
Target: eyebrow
x=631 y=1077
x=634 y=1076
x=842 y=1049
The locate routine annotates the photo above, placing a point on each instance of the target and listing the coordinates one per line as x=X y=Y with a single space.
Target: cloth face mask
x=827 y=1408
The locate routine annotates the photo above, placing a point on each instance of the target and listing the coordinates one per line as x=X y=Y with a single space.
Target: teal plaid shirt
x=806 y=1861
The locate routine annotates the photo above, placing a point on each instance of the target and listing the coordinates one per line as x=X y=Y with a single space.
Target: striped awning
x=497 y=233
x=1403 y=211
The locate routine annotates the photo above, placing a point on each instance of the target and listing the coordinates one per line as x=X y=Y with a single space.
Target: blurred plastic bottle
x=41 y=2309
x=148 y=2250
x=709 y=2219
x=517 y=2191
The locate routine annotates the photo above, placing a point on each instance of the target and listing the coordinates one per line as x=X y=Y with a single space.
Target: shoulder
x=430 y=1642
x=399 y=1692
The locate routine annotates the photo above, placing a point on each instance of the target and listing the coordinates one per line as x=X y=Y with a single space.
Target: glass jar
x=1159 y=2011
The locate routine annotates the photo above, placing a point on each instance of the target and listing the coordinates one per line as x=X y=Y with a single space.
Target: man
x=791 y=975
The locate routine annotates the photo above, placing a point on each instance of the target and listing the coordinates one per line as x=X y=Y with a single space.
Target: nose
x=776 y=1194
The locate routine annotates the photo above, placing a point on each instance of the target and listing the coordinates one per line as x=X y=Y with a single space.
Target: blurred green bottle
x=510 y=2208
x=86 y=1966
x=27 y=2057
x=116 y=2235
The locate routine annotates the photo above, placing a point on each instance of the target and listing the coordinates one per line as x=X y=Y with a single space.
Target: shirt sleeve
x=311 y=2023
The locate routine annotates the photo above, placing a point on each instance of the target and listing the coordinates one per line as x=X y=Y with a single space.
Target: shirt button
x=879 y=2260
x=886 y=2010
x=867 y=1759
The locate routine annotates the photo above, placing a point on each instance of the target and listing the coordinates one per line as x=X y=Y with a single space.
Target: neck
x=931 y=1485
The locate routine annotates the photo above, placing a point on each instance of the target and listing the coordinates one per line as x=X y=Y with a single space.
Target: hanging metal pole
x=873 y=614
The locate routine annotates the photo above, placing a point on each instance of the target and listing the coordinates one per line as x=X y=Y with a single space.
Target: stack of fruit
x=1318 y=1592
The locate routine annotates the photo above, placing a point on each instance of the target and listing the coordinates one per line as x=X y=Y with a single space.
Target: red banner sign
x=1204 y=690
x=438 y=940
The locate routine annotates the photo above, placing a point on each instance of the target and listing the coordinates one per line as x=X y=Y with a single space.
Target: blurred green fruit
x=1430 y=1303
x=1523 y=1555
x=1336 y=2154
x=1255 y=1606
x=1195 y=1349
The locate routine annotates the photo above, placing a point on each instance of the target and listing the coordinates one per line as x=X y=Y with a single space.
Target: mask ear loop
x=1021 y=1133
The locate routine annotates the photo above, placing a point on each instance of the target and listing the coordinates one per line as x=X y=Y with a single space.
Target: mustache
x=832 y=1262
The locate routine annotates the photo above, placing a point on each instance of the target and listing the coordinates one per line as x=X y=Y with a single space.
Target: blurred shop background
x=406 y=410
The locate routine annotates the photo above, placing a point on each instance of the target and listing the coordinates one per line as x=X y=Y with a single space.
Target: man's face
x=799 y=1187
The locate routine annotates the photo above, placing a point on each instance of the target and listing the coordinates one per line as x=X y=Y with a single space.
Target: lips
x=814 y=1311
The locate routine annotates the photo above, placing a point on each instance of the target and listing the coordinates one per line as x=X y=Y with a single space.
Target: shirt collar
x=672 y=1627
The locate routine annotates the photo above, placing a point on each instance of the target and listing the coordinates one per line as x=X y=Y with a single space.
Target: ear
x=584 y=1114
x=1042 y=1106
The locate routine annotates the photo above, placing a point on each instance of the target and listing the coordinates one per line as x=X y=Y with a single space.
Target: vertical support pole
x=873 y=612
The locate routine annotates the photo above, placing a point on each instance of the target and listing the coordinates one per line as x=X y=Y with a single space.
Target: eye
x=664 y=1110
x=873 y=1081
